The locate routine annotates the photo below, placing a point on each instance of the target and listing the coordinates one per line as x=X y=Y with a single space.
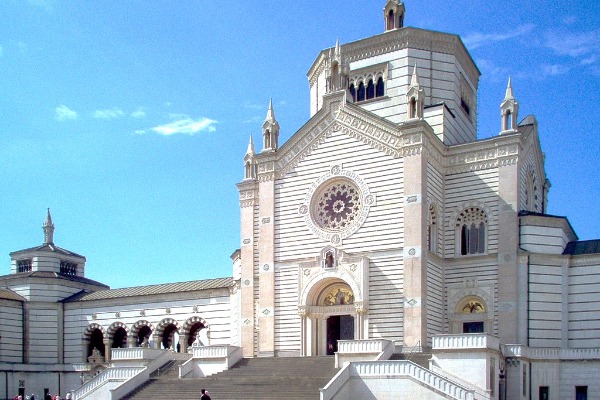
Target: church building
x=383 y=227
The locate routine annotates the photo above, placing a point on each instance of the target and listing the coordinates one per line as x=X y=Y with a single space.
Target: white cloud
x=140 y=132
x=478 y=39
x=108 y=114
x=554 y=69
x=64 y=113
x=137 y=114
x=574 y=44
x=186 y=126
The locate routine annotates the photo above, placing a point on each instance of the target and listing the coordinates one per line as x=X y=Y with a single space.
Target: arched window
x=380 y=89
x=471 y=225
x=361 y=92
x=390 y=20
x=432 y=230
x=353 y=92
x=370 y=89
x=507 y=120
x=413 y=108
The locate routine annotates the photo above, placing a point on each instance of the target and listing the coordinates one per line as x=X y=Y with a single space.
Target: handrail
x=392 y=370
x=336 y=383
x=482 y=394
x=104 y=376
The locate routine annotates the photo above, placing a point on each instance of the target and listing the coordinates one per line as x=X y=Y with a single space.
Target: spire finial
x=250 y=151
x=509 y=90
x=270 y=112
x=414 y=81
x=48 y=229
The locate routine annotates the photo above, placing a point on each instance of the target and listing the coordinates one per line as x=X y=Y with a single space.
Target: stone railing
x=465 y=342
x=142 y=376
x=120 y=374
x=135 y=353
x=82 y=367
x=517 y=350
x=336 y=383
x=363 y=350
x=209 y=360
x=480 y=394
x=392 y=370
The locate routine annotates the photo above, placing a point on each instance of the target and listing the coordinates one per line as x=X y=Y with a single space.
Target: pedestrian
x=205 y=395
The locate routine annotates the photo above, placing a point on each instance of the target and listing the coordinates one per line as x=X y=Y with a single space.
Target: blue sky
x=130 y=119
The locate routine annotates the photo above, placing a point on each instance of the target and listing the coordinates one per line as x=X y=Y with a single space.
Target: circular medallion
x=336 y=205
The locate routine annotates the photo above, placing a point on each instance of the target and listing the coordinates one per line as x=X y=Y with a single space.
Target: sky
x=130 y=119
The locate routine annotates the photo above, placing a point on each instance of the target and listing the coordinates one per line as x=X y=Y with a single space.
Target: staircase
x=290 y=378
x=421 y=359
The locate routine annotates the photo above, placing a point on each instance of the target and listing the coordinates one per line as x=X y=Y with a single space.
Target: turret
x=415 y=97
x=249 y=162
x=270 y=130
x=509 y=110
x=48 y=228
x=393 y=15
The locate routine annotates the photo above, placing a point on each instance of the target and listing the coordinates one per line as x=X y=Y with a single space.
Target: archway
x=170 y=338
x=119 y=338
x=141 y=334
x=95 y=342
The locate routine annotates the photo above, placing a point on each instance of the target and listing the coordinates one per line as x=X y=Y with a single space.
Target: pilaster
x=508 y=244
x=415 y=264
x=266 y=260
x=248 y=202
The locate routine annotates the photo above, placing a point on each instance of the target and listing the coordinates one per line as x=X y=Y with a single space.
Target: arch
x=167 y=331
x=432 y=229
x=191 y=330
x=380 y=88
x=94 y=337
x=117 y=334
x=314 y=288
x=391 y=20
x=370 y=89
x=413 y=108
x=471 y=229
x=141 y=333
x=361 y=93
x=471 y=315
x=353 y=92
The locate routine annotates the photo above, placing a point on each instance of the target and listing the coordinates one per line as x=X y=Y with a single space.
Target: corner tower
x=393 y=15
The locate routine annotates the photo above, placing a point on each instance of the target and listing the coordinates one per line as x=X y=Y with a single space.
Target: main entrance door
x=339 y=327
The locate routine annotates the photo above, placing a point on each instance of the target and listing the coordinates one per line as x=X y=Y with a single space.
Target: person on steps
x=205 y=395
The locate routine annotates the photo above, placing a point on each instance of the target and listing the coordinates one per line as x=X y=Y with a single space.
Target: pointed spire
x=270 y=112
x=509 y=90
x=250 y=151
x=414 y=81
x=48 y=229
x=338 y=49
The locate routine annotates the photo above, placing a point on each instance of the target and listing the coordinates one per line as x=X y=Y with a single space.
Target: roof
x=52 y=275
x=7 y=294
x=166 y=288
x=583 y=247
x=47 y=247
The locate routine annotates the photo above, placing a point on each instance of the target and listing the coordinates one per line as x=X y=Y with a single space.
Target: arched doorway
x=95 y=342
x=167 y=334
x=141 y=334
x=338 y=326
x=119 y=339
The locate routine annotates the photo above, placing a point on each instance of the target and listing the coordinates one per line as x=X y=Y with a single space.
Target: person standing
x=205 y=395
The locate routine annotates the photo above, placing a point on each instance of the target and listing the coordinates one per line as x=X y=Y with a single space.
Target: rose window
x=337 y=206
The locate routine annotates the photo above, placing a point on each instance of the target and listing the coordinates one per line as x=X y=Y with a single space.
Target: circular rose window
x=337 y=205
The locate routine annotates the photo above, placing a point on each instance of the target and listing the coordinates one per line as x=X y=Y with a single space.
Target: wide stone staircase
x=290 y=378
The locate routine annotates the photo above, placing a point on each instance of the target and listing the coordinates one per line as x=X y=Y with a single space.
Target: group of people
x=47 y=397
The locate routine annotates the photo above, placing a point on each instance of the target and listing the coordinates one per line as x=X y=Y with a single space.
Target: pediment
x=339 y=115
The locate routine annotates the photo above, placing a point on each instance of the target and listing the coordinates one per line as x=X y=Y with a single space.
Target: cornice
x=500 y=151
x=406 y=38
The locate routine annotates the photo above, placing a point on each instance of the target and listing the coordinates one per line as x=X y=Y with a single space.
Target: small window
x=544 y=393
x=473 y=327
x=68 y=268
x=465 y=106
x=471 y=225
x=581 y=393
x=380 y=89
x=361 y=92
x=353 y=92
x=23 y=266
x=390 y=20
x=370 y=90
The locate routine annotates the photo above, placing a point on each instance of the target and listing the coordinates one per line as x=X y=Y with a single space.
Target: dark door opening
x=339 y=327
